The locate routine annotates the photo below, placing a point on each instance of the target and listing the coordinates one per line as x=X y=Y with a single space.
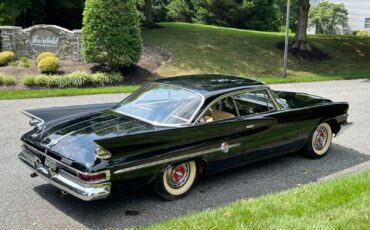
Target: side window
x=220 y=110
x=253 y=102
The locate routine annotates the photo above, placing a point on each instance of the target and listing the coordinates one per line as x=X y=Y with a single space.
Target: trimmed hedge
x=111 y=32
x=7 y=80
x=76 y=79
x=48 y=64
x=6 y=57
x=43 y=55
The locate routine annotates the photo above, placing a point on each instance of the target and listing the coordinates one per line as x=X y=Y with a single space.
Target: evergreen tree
x=111 y=33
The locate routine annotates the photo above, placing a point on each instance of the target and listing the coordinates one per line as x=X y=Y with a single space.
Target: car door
x=289 y=133
x=247 y=131
x=252 y=104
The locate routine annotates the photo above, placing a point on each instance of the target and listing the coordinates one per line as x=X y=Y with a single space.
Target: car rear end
x=83 y=185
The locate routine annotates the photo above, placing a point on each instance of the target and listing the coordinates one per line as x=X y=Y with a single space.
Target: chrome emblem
x=53 y=142
x=225 y=147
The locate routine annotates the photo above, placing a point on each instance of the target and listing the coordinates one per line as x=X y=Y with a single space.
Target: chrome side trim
x=33 y=117
x=65 y=182
x=168 y=160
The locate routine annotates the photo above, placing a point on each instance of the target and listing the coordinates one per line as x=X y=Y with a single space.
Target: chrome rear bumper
x=65 y=182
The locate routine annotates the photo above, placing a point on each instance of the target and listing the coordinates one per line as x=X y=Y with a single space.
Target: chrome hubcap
x=178 y=175
x=320 y=138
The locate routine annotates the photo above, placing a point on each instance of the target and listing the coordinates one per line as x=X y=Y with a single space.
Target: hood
x=74 y=139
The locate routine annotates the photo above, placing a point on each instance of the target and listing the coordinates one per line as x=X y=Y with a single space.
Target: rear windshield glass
x=160 y=103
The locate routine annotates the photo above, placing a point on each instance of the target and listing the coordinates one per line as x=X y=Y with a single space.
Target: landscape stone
x=29 y=42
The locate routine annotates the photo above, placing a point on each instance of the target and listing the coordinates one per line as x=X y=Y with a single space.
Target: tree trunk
x=148 y=13
x=300 y=39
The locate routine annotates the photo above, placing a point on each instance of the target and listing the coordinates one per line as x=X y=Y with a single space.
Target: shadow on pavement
x=144 y=207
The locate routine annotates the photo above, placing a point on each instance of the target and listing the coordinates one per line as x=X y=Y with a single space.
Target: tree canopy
x=326 y=16
x=265 y=15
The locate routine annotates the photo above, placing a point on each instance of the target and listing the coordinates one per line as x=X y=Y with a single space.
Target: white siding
x=358 y=10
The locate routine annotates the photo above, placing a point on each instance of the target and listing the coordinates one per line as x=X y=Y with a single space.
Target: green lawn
x=343 y=203
x=209 y=49
x=22 y=94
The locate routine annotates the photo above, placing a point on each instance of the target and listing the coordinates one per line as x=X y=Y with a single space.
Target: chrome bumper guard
x=65 y=182
x=343 y=127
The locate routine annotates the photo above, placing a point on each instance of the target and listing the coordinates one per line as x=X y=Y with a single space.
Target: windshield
x=163 y=104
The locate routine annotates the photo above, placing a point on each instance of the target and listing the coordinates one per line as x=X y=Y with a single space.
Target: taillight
x=102 y=153
x=96 y=177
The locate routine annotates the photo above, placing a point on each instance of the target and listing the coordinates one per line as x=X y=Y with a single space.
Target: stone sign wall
x=30 y=42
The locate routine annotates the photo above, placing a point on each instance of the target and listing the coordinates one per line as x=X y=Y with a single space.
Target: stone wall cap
x=10 y=28
x=77 y=31
x=46 y=26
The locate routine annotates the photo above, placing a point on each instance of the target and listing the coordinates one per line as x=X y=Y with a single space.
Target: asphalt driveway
x=33 y=204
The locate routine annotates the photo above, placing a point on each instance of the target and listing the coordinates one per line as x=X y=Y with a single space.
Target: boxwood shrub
x=43 y=55
x=48 y=64
x=6 y=57
x=76 y=79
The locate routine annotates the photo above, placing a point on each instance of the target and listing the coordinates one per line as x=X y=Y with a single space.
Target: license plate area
x=51 y=164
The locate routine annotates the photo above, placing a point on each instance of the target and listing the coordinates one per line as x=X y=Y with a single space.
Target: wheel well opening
x=334 y=125
x=201 y=165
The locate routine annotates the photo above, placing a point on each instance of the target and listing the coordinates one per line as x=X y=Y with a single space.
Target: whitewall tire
x=176 y=181
x=319 y=142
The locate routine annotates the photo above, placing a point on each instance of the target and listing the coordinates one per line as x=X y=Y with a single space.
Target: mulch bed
x=315 y=54
x=151 y=59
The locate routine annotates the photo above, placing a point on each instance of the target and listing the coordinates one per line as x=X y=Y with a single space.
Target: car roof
x=211 y=84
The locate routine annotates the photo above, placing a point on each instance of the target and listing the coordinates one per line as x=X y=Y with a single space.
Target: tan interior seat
x=221 y=115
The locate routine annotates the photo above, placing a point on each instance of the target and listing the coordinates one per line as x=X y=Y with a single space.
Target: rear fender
x=55 y=114
x=157 y=143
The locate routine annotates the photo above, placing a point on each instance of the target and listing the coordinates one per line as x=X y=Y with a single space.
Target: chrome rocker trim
x=63 y=181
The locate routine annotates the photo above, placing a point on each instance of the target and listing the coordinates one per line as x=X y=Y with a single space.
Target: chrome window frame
x=265 y=88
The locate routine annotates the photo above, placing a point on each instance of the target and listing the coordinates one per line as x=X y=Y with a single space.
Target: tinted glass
x=163 y=104
x=253 y=102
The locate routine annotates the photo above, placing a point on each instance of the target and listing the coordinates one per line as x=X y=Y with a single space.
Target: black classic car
x=172 y=130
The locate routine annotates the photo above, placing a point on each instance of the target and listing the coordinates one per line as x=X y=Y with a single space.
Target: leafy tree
x=181 y=10
x=265 y=15
x=148 y=13
x=293 y=14
x=231 y=13
x=326 y=16
x=16 y=8
x=246 y=14
x=111 y=33
x=300 y=39
x=5 y=18
x=157 y=11
x=66 y=13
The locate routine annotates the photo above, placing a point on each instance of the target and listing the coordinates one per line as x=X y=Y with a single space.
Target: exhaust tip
x=33 y=175
x=63 y=193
